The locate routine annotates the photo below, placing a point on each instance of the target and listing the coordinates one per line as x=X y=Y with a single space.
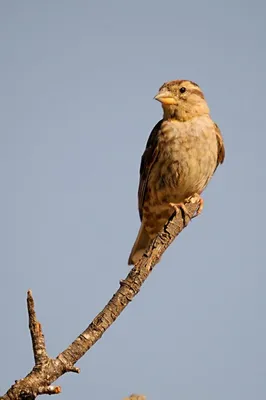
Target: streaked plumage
x=181 y=155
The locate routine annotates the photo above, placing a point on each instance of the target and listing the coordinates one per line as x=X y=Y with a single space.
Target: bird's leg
x=179 y=207
x=193 y=199
x=182 y=207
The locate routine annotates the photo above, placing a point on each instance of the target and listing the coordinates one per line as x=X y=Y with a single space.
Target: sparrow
x=182 y=153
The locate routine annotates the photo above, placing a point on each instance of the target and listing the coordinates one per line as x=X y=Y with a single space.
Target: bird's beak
x=165 y=97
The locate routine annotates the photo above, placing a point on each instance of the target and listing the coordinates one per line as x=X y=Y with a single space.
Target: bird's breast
x=186 y=160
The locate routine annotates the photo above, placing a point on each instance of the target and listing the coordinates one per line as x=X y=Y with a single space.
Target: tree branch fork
x=47 y=370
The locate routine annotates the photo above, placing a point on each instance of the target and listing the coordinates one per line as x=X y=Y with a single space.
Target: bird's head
x=182 y=100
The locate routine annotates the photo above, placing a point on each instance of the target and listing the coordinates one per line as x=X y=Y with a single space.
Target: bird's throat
x=183 y=113
x=170 y=112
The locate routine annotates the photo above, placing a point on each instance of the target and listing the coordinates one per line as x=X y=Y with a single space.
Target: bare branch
x=49 y=390
x=48 y=370
x=37 y=337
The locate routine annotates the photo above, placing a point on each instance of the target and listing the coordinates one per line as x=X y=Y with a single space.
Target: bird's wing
x=147 y=160
x=220 y=144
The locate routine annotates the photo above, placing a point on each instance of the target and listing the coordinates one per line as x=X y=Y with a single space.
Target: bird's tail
x=142 y=242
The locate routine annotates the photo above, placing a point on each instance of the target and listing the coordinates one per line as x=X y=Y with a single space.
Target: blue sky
x=76 y=99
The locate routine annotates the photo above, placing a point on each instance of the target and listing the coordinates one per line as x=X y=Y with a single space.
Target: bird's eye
x=182 y=90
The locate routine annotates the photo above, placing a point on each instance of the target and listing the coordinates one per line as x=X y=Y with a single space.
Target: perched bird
x=182 y=153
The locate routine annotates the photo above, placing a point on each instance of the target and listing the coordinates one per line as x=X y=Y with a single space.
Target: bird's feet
x=193 y=199
x=182 y=207
x=179 y=207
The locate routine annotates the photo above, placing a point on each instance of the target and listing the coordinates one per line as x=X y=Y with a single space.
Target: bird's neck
x=184 y=113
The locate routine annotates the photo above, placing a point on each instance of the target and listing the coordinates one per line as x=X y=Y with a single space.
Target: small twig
x=37 y=337
x=49 y=390
x=48 y=370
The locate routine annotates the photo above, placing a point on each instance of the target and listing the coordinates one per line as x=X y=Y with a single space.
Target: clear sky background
x=76 y=100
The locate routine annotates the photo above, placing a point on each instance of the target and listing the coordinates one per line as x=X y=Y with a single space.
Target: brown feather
x=147 y=160
x=221 y=149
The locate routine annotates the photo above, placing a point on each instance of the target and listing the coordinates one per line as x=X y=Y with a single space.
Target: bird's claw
x=182 y=207
x=196 y=198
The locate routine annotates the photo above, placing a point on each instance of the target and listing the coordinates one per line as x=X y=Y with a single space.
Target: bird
x=182 y=153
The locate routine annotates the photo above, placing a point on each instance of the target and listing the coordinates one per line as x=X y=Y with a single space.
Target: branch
x=46 y=369
x=37 y=337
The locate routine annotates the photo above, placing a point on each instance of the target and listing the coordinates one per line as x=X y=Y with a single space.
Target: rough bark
x=47 y=370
